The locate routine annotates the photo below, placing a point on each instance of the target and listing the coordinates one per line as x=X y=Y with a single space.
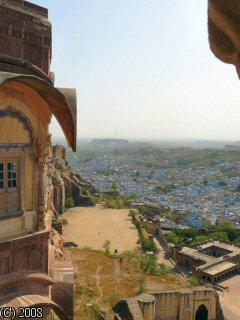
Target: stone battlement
x=31 y=8
x=25 y=33
x=187 y=304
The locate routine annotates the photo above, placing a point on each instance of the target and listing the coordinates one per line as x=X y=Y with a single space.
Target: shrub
x=149 y=264
x=127 y=202
x=132 y=256
x=173 y=238
x=200 y=239
x=193 y=282
x=114 y=185
x=79 y=290
x=231 y=232
x=106 y=246
x=137 y=224
x=142 y=285
x=144 y=209
x=164 y=270
x=237 y=241
x=64 y=221
x=188 y=233
x=147 y=244
x=69 y=203
x=132 y=213
x=220 y=235
x=90 y=292
x=96 y=311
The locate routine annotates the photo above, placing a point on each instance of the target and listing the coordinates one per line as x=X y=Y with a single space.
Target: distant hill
x=109 y=142
x=230 y=147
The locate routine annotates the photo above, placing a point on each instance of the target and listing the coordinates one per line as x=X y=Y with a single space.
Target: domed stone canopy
x=62 y=102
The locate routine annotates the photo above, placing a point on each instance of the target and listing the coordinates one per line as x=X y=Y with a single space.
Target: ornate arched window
x=16 y=136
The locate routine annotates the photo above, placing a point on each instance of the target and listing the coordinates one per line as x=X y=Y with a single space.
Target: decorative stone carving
x=45 y=146
x=25 y=254
x=44 y=152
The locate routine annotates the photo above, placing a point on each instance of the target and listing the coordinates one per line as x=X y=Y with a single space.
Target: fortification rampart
x=182 y=305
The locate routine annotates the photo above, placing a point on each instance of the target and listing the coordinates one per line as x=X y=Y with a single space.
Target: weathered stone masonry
x=29 y=272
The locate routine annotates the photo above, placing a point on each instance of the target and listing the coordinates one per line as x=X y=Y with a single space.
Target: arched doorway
x=202 y=313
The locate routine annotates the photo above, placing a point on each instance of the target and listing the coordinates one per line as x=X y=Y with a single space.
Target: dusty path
x=161 y=254
x=91 y=227
x=98 y=284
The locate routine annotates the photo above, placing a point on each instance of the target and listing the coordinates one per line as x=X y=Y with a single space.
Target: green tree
x=148 y=263
x=220 y=235
x=200 y=239
x=232 y=233
x=173 y=238
x=189 y=233
x=147 y=244
x=114 y=185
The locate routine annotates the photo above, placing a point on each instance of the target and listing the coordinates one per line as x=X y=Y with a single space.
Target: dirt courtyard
x=230 y=299
x=92 y=226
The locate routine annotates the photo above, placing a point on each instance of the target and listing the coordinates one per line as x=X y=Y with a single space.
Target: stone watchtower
x=28 y=100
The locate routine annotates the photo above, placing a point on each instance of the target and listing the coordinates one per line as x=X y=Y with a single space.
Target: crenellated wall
x=25 y=33
x=171 y=305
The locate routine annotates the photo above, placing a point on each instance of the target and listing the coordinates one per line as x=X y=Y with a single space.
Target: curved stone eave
x=55 y=99
x=30 y=300
x=221 y=54
x=224 y=30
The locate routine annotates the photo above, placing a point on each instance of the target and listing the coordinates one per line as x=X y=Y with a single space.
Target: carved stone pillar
x=44 y=152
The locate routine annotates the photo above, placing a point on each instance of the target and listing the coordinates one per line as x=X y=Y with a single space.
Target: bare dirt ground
x=103 y=280
x=92 y=226
x=230 y=299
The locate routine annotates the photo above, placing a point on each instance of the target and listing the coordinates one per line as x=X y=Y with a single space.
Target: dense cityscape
x=203 y=184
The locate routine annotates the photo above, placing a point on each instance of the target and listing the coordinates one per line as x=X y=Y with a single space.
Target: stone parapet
x=23 y=253
x=183 y=304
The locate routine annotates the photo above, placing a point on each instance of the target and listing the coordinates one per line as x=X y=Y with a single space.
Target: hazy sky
x=145 y=67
